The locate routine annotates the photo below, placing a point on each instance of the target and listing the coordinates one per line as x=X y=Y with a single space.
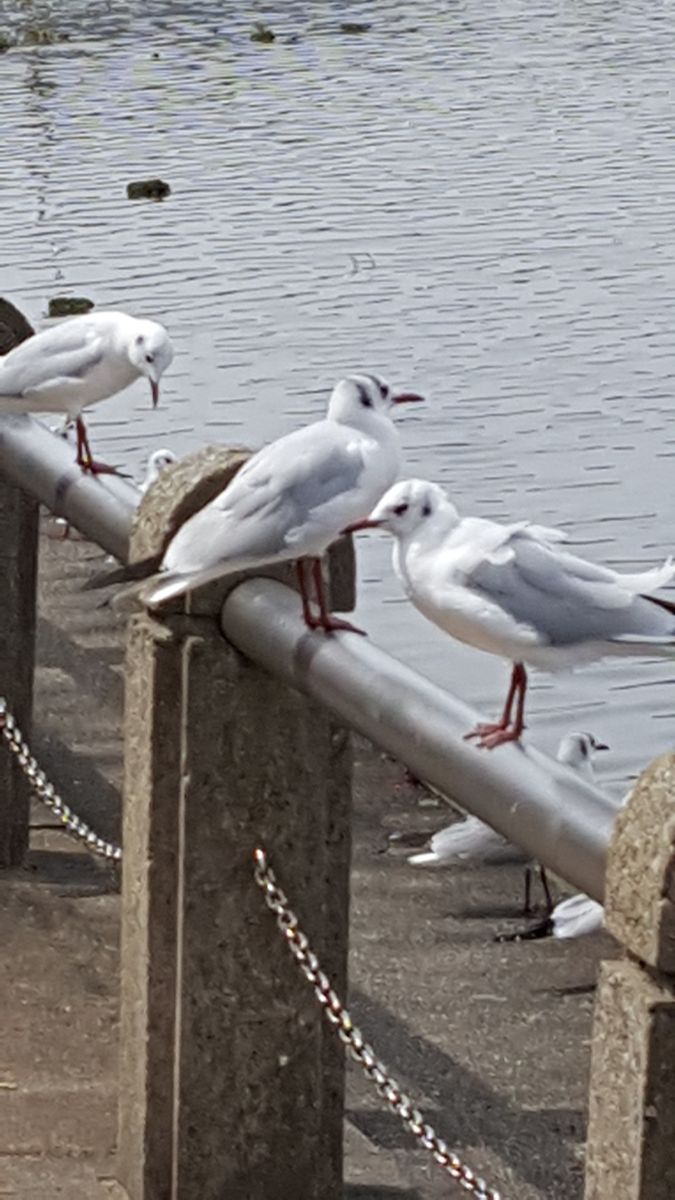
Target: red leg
x=84 y=459
x=504 y=721
x=310 y=620
x=505 y=730
x=328 y=622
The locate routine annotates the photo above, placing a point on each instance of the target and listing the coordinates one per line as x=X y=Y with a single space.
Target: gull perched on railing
x=512 y=590
x=289 y=501
x=80 y=361
x=471 y=842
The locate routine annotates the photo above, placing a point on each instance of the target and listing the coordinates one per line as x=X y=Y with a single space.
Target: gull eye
x=366 y=401
x=401 y=509
x=384 y=391
x=426 y=510
x=149 y=358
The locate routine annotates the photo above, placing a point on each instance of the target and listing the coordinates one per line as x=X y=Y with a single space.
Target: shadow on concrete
x=534 y=1144
x=72 y=875
x=359 y=1191
x=80 y=784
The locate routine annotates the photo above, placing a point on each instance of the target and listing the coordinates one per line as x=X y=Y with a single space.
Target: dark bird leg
x=506 y=729
x=326 y=619
x=527 y=904
x=547 y=890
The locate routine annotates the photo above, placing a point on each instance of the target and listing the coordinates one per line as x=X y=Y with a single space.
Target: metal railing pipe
x=551 y=812
x=101 y=507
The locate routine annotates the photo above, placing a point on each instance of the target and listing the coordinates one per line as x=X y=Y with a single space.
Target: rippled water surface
x=476 y=199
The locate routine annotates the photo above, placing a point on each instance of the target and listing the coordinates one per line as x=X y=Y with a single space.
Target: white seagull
x=512 y=590
x=290 y=500
x=577 y=916
x=471 y=842
x=157 y=461
x=80 y=361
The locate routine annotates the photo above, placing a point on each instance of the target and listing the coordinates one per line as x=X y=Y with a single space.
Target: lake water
x=475 y=199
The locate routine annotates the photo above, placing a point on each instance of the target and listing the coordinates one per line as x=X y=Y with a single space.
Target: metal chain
x=46 y=792
x=276 y=900
x=352 y=1038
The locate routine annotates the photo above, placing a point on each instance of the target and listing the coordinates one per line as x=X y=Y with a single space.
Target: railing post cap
x=640 y=880
x=180 y=491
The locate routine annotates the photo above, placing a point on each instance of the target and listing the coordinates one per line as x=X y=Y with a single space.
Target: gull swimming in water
x=471 y=842
x=290 y=500
x=514 y=591
x=80 y=361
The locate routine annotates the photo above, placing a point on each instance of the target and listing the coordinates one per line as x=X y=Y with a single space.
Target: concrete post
x=18 y=568
x=231 y=1083
x=631 y=1136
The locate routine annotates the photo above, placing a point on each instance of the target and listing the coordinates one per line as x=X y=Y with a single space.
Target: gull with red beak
x=290 y=501
x=512 y=590
x=80 y=361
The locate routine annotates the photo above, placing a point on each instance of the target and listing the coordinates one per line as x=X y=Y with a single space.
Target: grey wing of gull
x=280 y=488
x=566 y=599
x=34 y=364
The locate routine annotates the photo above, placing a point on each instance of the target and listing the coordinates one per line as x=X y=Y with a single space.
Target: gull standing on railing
x=471 y=842
x=79 y=362
x=513 y=591
x=290 y=501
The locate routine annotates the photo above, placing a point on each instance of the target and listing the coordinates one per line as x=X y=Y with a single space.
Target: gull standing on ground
x=471 y=842
x=290 y=500
x=577 y=916
x=512 y=590
x=80 y=361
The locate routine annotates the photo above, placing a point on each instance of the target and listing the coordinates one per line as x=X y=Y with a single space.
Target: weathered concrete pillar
x=631 y=1138
x=231 y=1082
x=18 y=567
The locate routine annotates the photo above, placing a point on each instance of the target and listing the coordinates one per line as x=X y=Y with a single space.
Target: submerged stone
x=148 y=189
x=262 y=33
x=69 y=306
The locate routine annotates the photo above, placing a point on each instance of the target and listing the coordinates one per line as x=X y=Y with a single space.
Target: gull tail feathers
x=128 y=573
x=429 y=859
x=650 y=581
x=667 y=605
x=172 y=584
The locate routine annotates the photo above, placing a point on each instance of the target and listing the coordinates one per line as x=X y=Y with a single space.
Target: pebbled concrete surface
x=492 y=1040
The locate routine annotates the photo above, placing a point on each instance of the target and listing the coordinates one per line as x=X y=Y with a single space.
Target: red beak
x=154 y=388
x=407 y=398
x=366 y=523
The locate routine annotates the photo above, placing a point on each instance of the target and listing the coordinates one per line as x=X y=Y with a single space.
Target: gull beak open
x=154 y=388
x=407 y=398
x=366 y=523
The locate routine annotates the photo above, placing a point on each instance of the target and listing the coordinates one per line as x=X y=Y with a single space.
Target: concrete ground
x=492 y=1040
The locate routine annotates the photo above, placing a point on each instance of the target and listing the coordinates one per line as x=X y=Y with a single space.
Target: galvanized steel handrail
x=559 y=818
x=43 y=464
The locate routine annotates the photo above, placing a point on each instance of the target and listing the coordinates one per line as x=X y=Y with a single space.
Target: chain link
x=354 y=1041
x=46 y=792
